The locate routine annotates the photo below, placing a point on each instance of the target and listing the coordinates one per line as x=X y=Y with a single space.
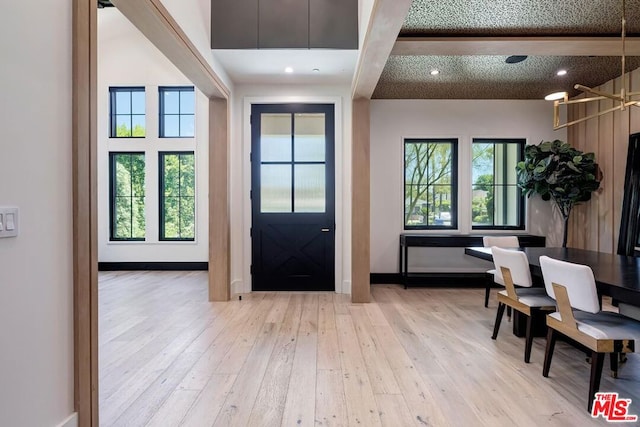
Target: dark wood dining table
x=617 y=276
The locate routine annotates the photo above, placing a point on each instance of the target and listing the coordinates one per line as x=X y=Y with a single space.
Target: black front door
x=292 y=197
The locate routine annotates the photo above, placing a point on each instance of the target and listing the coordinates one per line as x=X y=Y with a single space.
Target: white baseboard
x=237 y=287
x=71 y=421
x=346 y=287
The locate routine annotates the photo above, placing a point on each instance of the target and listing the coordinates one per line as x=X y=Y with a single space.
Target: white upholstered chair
x=580 y=318
x=501 y=242
x=512 y=268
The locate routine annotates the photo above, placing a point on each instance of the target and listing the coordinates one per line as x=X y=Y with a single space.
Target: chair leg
x=597 y=360
x=487 y=292
x=499 y=314
x=509 y=314
x=613 y=359
x=528 y=339
x=548 y=352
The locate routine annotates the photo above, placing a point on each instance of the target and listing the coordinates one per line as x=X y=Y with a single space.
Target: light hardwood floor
x=421 y=356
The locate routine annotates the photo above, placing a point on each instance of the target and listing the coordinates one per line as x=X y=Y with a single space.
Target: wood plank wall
x=595 y=225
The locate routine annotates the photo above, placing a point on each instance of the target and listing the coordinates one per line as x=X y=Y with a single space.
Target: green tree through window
x=430 y=183
x=177 y=196
x=127 y=201
x=496 y=202
x=127 y=112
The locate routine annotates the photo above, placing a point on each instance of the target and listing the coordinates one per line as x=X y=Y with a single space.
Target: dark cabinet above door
x=284 y=24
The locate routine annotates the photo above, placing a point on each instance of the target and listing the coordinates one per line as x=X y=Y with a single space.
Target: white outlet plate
x=9 y=217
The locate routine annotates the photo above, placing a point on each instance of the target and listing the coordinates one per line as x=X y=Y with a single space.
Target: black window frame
x=113 y=90
x=161 y=114
x=521 y=214
x=454 y=183
x=161 y=198
x=112 y=198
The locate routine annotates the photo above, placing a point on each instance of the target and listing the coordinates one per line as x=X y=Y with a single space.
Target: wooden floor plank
x=300 y=405
x=269 y=405
x=415 y=357
x=331 y=407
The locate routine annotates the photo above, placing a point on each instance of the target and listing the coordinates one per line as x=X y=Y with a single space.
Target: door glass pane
x=309 y=141
x=275 y=189
x=275 y=138
x=309 y=188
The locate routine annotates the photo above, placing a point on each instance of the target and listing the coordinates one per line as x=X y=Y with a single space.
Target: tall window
x=177 y=112
x=430 y=183
x=177 y=196
x=127 y=112
x=497 y=202
x=127 y=211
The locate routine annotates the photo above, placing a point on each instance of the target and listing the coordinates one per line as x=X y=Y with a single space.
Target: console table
x=408 y=240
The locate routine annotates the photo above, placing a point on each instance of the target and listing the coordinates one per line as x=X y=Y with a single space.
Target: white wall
x=36 y=280
x=127 y=58
x=243 y=97
x=194 y=17
x=394 y=120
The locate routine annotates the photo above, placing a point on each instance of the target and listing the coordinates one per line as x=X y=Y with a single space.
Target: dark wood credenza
x=409 y=240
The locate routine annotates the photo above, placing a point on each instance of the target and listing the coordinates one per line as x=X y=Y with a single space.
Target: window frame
x=521 y=215
x=113 y=90
x=112 y=197
x=454 y=183
x=161 y=114
x=161 y=197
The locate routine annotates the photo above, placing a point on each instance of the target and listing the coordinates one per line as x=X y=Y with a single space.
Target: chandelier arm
x=599 y=93
x=560 y=126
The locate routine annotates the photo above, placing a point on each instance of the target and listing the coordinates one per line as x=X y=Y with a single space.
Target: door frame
x=341 y=284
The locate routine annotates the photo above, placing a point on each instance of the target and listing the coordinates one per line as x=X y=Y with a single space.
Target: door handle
x=325 y=230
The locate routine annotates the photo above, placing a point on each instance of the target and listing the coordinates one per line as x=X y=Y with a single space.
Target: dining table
x=617 y=276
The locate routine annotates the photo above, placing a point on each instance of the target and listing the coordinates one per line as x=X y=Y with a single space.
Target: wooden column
x=360 y=203
x=219 y=227
x=85 y=236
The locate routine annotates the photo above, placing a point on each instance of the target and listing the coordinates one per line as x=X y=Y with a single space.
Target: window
x=177 y=112
x=177 y=196
x=127 y=112
x=126 y=190
x=430 y=188
x=497 y=202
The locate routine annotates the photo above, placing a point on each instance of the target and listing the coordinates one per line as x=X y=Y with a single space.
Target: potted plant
x=558 y=172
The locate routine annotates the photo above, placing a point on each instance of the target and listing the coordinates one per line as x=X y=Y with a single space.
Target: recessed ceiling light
x=561 y=72
x=555 y=96
x=288 y=70
x=514 y=59
x=316 y=70
x=434 y=72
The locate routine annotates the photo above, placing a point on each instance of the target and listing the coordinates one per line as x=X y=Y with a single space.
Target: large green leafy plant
x=558 y=172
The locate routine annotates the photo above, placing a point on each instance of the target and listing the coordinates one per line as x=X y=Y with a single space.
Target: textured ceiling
x=489 y=77
x=520 y=17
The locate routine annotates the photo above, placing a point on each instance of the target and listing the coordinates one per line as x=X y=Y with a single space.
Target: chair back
x=516 y=262
x=576 y=278
x=501 y=241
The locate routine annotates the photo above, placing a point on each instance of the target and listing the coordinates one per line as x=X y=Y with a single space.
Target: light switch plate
x=10 y=221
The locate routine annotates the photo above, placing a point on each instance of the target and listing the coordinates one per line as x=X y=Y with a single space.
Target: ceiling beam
x=534 y=46
x=156 y=23
x=387 y=17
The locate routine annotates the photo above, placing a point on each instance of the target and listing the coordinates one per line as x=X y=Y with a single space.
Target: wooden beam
x=85 y=235
x=156 y=23
x=538 y=46
x=219 y=226
x=360 y=203
x=386 y=20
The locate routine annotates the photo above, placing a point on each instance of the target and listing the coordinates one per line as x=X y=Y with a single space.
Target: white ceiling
x=266 y=66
